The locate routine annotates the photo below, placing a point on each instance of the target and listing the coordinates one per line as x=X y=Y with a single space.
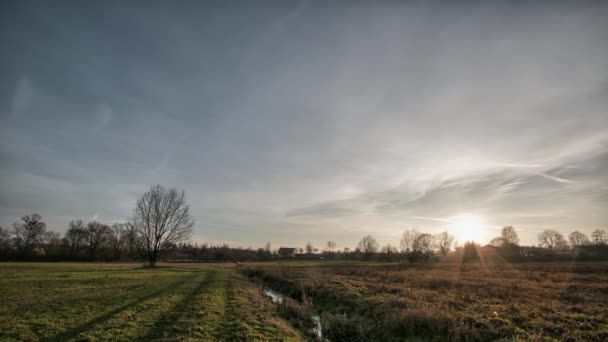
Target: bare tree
x=577 y=238
x=423 y=245
x=497 y=242
x=368 y=244
x=118 y=239
x=51 y=243
x=309 y=248
x=444 y=242
x=509 y=235
x=97 y=235
x=161 y=220
x=268 y=247
x=551 y=239
x=5 y=242
x=508 y=238
x=75 y=236
x=330 y=246
x=407 y=240
x=389 y=249
x=29 y=233
x=599 y=237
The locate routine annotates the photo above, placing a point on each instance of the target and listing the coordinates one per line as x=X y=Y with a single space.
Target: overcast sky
x=302 y=121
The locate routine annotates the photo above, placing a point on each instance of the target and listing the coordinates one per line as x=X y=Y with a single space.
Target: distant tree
x=444 y=242
x=161 y=220
x=28 y=234
x=368 y=245
x=389 y=249
x=118 y=239
x=5 y=242
x=97 y=235
x=330 y=246
x=75 y=236
x=316 y=250
x=423 y=246
x=346 y=250
x=508 y=238
x=470 y=251
x=599 y=237
x=301 y=250
x=309 y=248
x=268 y=247
x=550 y=238
x=51 y=243
x=577 y=238
x=509 y=235
x=4 y=235
x=407 y=240
x=388 y=253
x=497 y=242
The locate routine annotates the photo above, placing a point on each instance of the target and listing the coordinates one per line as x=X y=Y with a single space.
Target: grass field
x=356 y=301
x=69 y=302
x=449 y=301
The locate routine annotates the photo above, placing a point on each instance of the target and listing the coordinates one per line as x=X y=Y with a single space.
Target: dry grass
x=452 y=301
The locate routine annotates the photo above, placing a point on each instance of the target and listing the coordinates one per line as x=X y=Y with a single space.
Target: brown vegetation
x=471 y=301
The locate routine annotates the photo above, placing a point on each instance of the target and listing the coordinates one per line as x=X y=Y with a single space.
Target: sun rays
x=467 y=227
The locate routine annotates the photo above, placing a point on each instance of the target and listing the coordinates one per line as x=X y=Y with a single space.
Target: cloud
x=327 y=210
x=104 y=114
x=507 y=190
x=305 y=121
x=551 y=177
x=22 y=97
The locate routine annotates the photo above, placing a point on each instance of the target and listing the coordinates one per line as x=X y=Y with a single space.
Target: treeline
x=29 y=239
x=92 y=241
x=417 y=246
x=552 y=246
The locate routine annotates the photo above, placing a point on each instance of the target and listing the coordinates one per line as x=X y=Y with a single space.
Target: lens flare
x=467 y=227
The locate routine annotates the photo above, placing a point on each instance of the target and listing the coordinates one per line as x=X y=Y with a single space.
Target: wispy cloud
x=430 y=218
x=316 y=120
x=22 y=96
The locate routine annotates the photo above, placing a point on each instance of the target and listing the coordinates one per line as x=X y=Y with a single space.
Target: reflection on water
x=278 y=298
x=317 y=328
x=275 y=296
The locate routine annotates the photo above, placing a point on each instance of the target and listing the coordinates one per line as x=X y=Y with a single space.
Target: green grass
x=74 y=302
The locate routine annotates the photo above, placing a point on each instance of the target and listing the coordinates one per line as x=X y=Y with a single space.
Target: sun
x=467 y=227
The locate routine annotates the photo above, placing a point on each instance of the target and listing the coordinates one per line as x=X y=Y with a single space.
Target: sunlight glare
x=467 y=227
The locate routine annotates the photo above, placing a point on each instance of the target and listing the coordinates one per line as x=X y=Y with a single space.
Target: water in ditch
x=278 y=298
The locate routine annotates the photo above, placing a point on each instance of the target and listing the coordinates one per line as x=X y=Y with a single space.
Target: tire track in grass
x=229 y=328
x=101 y=320
x=210 y=308
x=177 y=323
x=138 y=322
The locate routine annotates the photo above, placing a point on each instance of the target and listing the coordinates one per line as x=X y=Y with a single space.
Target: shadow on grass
x=90 y=324
x=230 y=323
x=179 y=309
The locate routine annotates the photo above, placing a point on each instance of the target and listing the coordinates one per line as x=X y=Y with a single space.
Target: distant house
x=287 y=252
x=533 y=251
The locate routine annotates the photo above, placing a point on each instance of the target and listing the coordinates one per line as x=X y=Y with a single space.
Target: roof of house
x=286 y=250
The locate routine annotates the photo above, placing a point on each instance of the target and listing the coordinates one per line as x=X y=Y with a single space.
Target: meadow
x=446 y=300
x=102 y=302
x=356 y=301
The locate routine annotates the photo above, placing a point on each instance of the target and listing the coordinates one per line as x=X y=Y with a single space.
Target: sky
x=296 y=121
